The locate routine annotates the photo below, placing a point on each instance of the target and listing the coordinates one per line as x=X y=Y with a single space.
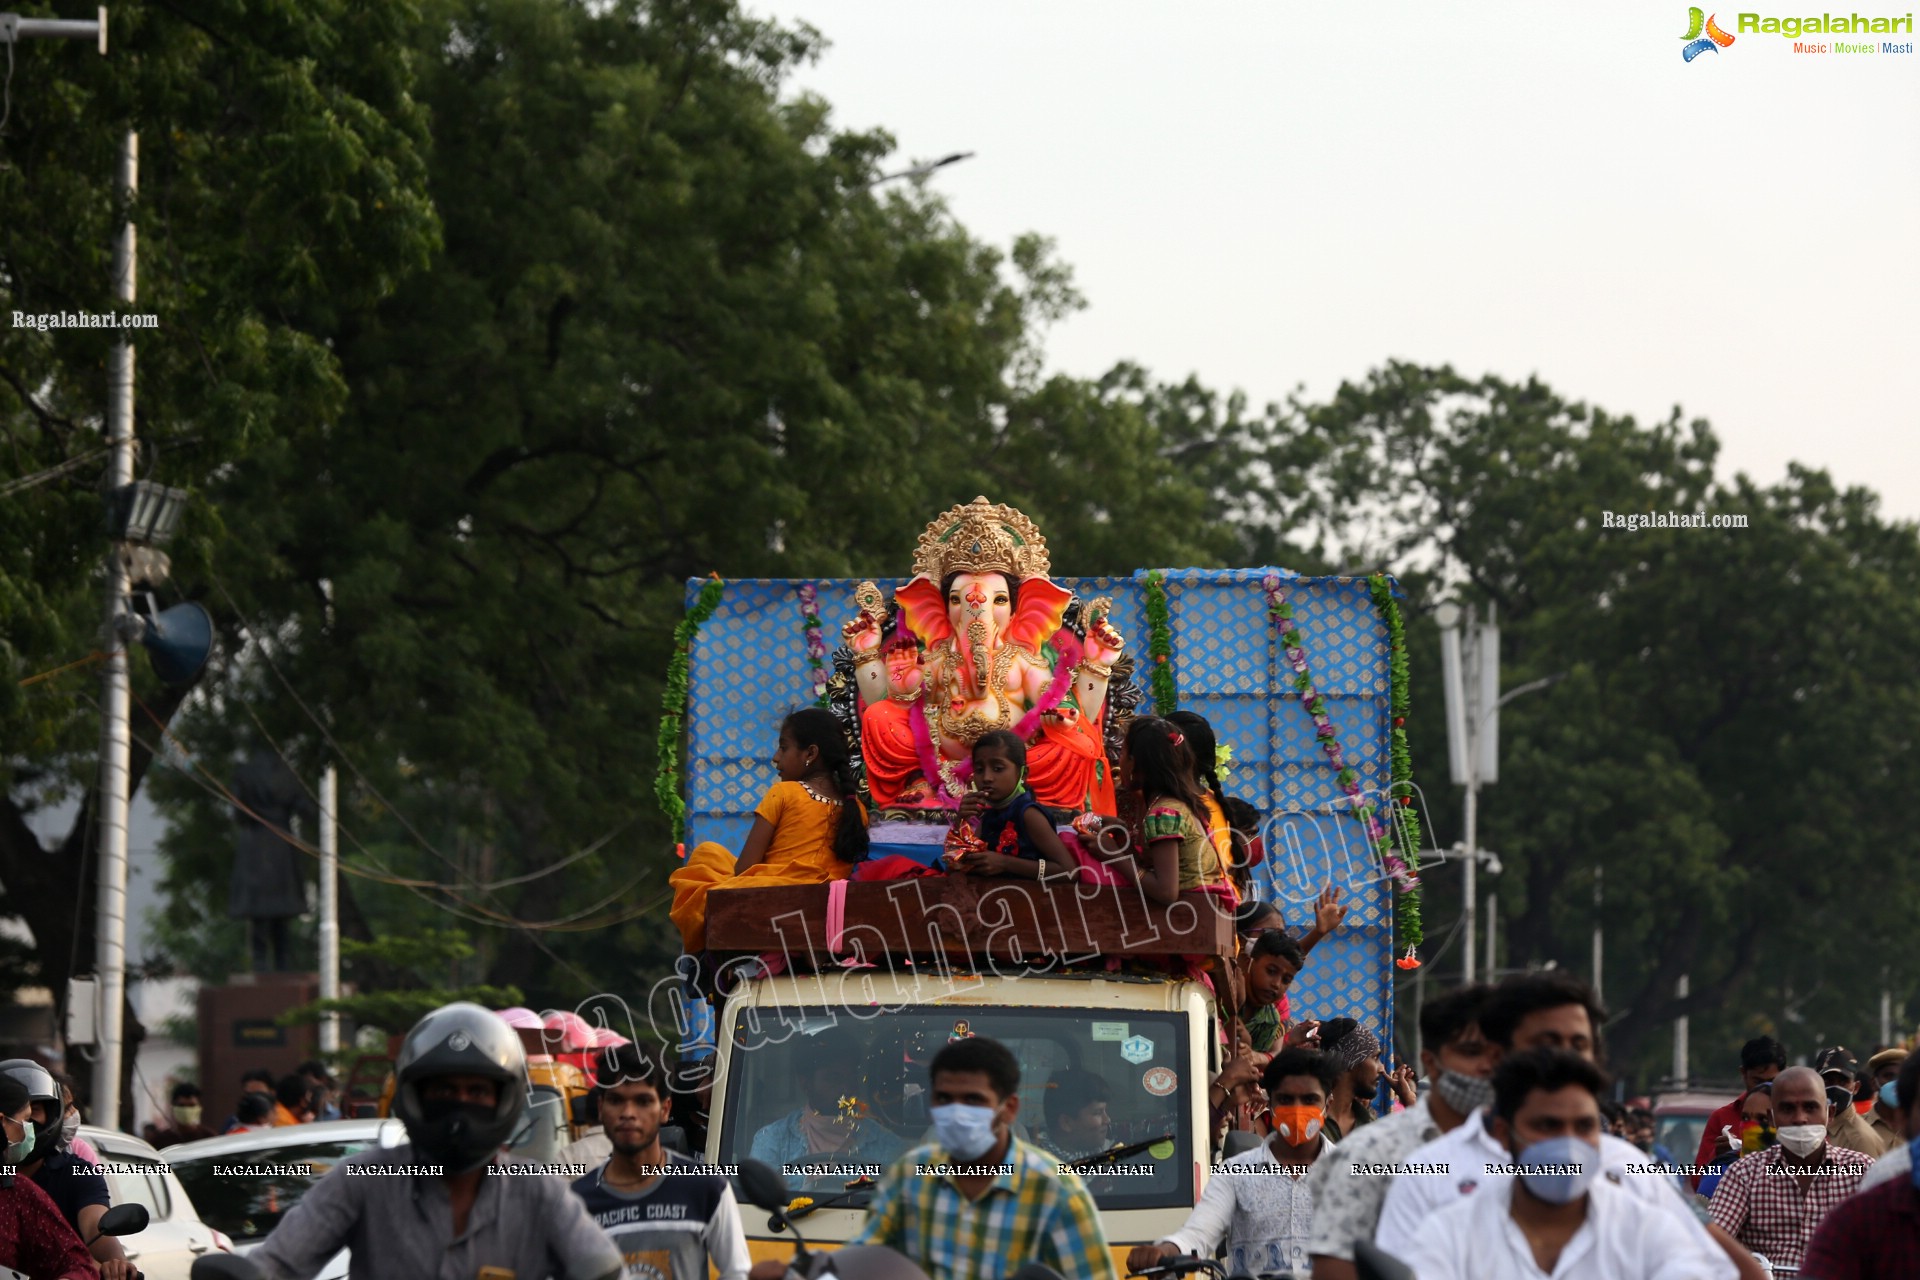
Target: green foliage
x=671 y=331
x=418 y=962
x=395 y=1011
x=282 y=184
x=1730 y=742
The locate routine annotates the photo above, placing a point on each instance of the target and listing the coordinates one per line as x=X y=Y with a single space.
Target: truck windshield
x=830 y=1101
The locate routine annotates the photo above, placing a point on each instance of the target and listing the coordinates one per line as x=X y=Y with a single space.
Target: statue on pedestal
x=268 y=887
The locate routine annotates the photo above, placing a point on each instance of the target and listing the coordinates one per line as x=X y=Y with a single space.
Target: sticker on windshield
x=1137 y=1049
x=961 y=1031
x=1161 y=1150
x=1109 y=1031
x=1160 y=1081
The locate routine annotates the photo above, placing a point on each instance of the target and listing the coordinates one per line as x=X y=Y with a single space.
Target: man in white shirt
x=1559 y=1217
x=1257 y=1202
x=1545 y=1010
x=1349 y=1184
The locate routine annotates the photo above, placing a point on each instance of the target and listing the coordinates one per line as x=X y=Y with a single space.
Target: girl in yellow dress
x=810 y=828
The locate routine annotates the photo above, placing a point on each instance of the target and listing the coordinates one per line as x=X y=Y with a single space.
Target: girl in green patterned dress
x=1176 y=855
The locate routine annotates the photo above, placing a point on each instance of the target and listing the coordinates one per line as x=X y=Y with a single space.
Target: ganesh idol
x=979 y=643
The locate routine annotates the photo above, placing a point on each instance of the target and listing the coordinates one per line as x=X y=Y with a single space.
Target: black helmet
x=866 y=1262
x=460 y=1040
x=41 y=1087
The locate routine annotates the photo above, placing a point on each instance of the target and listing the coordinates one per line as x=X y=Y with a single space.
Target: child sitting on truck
x=810 y=828
x=1016 y=835
x=1204 y=747
x=1179 y=855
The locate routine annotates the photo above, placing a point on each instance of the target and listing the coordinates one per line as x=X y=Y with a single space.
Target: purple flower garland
x=1378 y=836
x=816 y=642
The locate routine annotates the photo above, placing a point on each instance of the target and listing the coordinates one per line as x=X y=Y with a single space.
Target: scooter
x=121 y=1220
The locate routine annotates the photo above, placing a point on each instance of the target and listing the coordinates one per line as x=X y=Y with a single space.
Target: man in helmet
x=75 y=1187
x=441 y=1206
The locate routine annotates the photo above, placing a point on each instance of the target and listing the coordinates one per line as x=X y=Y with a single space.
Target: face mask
x=1464 y=1093
x=1544 y=1167
x=1801 y=1139
x=1297 y=1126
x=434 y=1110
x=1756 y=1137
x=965 y=1131
x=18 y=1152
x=186 y=1117
x=1887 y=1099
x=68 y=1127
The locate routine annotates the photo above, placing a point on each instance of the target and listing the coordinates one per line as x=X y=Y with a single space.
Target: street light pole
x=1470 y=677
x=329 y=906
x=1599 y=875
x=116 y=733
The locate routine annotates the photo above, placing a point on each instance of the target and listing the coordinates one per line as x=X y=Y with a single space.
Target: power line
x=384 y=875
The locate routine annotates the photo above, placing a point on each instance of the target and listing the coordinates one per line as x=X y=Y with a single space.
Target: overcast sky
x=1268 y=195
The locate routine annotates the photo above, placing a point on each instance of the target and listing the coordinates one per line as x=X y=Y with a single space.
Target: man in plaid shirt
x=1772 y=1200
x=1875 y=1234
x=978 y=1202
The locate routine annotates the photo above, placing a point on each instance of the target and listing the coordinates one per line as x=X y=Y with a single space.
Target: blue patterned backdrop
x=749 y=670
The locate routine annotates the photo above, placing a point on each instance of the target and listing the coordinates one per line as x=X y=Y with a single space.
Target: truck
x=829 y=1001
x=1114 y=1008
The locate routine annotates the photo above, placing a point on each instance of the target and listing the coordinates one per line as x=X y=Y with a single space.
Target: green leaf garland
x=1166 y=691
x=1407 y=824
x=673 y=707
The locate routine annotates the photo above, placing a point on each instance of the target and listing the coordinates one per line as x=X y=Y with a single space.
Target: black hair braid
x=850 y=841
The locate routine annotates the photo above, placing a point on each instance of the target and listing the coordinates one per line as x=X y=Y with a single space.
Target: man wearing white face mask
x=1349 y=1185
x=978 y=1202
x=1556 y=1218
x=1772 y=1200
x=1544 y=1010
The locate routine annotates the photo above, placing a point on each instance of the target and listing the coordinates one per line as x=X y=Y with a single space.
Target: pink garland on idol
x=1316 y=704
x=1068 y=649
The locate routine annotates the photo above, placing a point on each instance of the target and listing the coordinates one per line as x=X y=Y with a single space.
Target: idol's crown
x=982 y=537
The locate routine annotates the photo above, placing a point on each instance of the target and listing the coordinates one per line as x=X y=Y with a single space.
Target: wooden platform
x=968 y=915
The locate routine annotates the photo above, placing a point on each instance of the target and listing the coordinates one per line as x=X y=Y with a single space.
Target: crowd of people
x=304 y=1095
x=1515 y=1161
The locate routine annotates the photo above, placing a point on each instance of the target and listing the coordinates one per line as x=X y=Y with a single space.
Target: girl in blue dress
x=1016 y=836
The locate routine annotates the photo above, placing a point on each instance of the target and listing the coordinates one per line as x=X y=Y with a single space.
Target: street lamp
x=922 y=170
x=13 y=27
x=1470 y=677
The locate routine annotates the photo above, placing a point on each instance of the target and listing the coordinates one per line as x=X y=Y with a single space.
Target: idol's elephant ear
x=924 y=610
x=1042 y=607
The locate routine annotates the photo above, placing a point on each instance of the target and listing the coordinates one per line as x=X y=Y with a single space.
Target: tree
x=672 y=330
x=282 y=183
x=1728 y=687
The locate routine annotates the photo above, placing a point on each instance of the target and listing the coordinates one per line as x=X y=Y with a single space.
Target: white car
x=247 y=1206
x=136 y=1174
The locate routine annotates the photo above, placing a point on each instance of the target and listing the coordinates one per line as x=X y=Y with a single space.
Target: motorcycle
x=1372 y=1263
x=121 y=1220
x=766 y=1189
